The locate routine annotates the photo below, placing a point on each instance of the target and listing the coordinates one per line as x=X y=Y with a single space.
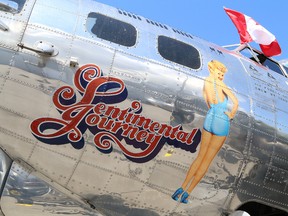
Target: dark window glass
x=273 y=66
x=262 y=59
x=179 y=52
x=111 y=29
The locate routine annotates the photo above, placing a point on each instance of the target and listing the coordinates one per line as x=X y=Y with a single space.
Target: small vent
x=129 y=14
x=156 y=24
x=183 y=33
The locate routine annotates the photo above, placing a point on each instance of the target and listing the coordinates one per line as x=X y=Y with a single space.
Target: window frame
x=104 y=35
x=260 y=58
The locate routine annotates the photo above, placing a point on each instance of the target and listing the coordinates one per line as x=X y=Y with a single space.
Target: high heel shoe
x=184 y=198
x=177 y=193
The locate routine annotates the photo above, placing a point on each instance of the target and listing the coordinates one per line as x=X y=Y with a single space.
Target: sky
x=208 y=20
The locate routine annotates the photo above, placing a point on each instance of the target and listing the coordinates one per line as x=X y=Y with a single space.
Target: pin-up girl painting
x=215 y=129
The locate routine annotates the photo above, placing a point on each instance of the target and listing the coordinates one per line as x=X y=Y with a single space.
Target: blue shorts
x=216 y=121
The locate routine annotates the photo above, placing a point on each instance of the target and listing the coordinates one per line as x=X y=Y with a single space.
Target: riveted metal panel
x=29 y=192
x=5 y=164
x=16 y=25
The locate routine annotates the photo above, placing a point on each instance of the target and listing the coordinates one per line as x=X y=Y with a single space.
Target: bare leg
x=206 y=136
x=214 y=146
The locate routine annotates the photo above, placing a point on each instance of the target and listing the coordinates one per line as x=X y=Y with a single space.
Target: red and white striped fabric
x=249 y=30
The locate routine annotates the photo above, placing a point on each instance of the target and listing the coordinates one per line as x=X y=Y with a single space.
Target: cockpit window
x=272 y=66
x=179 y=52
x=12 y=6
x=111 y=29
x=261 y=59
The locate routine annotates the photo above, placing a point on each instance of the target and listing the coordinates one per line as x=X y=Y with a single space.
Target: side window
x=12 y=6
x=248 y=53
x=261 y=59
x=179 y=52
x=112 y=30
x=273 y=66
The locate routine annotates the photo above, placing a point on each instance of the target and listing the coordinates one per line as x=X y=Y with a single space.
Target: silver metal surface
x=5 y=164
x=251 y=165
x=26 y=193
x=42 y=48
x=240 y=213
x=16 y=23
x=3 y=26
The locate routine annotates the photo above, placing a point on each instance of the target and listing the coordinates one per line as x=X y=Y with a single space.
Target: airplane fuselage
x=106 y=108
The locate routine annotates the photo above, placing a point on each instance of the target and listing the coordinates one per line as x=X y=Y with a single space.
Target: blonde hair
x=214 y=64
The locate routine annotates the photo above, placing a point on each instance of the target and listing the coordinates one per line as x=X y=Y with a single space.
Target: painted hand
x=230 y=115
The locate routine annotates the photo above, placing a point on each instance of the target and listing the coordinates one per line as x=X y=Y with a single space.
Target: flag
x=249 y=30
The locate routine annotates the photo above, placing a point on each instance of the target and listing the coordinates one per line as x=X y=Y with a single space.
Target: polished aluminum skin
x=5 y=165
x=31 y=193
x=41 y=47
